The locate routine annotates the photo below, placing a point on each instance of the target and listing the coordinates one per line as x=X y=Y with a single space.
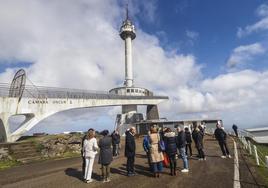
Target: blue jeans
x=184 y=157
x=157 y=167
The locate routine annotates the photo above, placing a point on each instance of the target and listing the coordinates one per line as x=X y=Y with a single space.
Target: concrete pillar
x=4 y=127
x=128 y=62
x=152 y=112
x=3 y=133
x=256 y=155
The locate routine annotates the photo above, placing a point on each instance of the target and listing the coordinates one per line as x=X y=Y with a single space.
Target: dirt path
x=214 y=172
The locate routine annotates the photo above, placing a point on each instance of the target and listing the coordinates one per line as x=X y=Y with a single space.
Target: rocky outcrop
x=57 y=147
x=4 y=154
x=38 y=148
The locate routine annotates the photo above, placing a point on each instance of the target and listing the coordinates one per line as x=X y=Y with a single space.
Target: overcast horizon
x=209 y=57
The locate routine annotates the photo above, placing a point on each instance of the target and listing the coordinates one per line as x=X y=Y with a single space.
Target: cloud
x=192 y=34
x=261 y=25
x=245 y=53
x=262 y=10
x=145 y=9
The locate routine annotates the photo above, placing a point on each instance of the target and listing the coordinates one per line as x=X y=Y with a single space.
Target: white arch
x=35 y=110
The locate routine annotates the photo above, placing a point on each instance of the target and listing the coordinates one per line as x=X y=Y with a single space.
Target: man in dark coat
x=198 y=140
x=221 y=136
x=106 y=156
x=235 y=129
x=83 y=158
x=181 y=143
x=116 y=142
x=188 y=142
x=130 y=150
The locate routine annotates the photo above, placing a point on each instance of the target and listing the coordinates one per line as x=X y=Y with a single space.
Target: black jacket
x=198 y=139
x=170 y=143
x=130 y=147
x=115 y=138
x=235 y=127
x=188 y=137
x=220 y=134
x=181 y=139
x=106 y=156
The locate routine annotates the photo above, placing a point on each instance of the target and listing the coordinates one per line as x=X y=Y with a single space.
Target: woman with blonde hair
x=90 y=148
x=156 y=154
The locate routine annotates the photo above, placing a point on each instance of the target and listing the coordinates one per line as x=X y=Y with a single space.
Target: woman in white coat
x=89 y=151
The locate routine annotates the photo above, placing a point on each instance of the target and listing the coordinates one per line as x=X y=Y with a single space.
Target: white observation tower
x=129 y=114
x=127 y=33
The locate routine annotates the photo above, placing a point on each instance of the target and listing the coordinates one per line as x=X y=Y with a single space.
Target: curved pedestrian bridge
x=37 y=103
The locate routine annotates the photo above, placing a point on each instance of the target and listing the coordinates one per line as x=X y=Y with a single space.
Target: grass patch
x=8 y=163
x=263 y=170
x=69 y=154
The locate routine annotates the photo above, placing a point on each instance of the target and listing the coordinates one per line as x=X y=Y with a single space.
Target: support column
x=152 y=112
x=29 y=122
x=4 y=127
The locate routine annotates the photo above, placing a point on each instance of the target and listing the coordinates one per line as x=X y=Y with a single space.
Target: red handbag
x=166 y=160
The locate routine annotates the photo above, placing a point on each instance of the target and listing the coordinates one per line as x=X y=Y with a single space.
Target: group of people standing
x=108 y=146
x=159 y=144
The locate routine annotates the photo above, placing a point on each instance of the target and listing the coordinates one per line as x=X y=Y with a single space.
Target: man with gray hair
x=221 y=136
x=130 y=150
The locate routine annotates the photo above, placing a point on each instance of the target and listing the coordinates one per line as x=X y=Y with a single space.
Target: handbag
x=166 y=160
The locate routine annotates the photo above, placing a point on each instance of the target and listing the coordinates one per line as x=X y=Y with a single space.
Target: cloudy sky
x=210 y=57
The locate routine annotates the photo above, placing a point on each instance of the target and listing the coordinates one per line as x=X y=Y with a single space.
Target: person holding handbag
x=90 y=148
x=171 y=150
x=155 y=151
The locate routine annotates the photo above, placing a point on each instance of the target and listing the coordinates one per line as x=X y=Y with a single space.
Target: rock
x=4 y=155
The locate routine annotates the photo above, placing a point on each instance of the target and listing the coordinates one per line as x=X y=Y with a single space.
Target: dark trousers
x=201 y=153
x=115 y=149
x=105 y=171
x=83 y=165
x=130 y=164
x=172 y=163
x=149 y=161
x=158 y=167
x=189 y=145
x=235 y=130
x=224 y=147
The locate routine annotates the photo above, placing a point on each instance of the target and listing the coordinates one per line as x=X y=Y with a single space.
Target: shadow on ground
x=73 y=172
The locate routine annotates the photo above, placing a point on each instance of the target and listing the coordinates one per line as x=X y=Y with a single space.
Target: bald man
x=130 y=150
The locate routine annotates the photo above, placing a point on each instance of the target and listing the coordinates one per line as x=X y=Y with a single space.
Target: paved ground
x=214 y=172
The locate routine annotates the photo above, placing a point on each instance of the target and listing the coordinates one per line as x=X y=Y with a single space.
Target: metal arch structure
x=18 y=84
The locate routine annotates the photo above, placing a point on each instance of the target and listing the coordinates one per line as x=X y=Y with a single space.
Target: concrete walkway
x=214 y=172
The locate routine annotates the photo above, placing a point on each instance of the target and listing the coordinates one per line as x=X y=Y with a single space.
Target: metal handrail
x=42 y=92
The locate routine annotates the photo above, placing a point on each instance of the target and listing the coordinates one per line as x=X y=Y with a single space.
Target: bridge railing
x=253 y=149
x=41 y=92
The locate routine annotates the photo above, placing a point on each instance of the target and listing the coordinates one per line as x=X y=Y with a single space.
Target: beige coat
x=156 y=156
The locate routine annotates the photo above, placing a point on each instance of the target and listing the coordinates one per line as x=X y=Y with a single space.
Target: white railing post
x=266 y=161
x=249 y=147
x=256 y=155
